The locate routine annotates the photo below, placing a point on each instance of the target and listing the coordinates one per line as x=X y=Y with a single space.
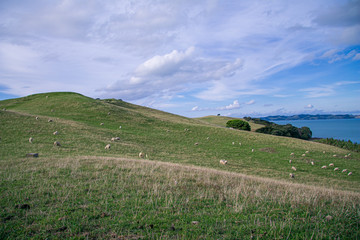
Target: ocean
x=342 y=129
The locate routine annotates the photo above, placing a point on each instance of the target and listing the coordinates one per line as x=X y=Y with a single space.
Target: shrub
x=238 y=124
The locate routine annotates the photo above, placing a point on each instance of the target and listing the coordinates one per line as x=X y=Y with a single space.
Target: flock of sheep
x=292 y=175
x=222 y=161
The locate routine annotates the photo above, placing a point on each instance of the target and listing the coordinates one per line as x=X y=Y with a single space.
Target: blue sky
x=193 y=58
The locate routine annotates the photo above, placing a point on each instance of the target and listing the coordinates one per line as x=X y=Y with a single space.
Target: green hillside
x=179 y=189
x=221 y=121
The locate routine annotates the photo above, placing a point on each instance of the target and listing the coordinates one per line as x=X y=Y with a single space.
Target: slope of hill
x=178 y=191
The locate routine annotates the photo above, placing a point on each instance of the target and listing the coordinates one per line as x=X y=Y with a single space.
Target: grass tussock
x=105 y=197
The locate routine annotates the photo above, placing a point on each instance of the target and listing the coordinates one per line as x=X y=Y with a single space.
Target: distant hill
x=309 y=117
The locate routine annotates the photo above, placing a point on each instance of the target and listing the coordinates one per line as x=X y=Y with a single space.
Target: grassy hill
x=179 y=190
x=221 y=121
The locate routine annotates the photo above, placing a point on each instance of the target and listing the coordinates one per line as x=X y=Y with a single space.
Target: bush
x=238 y=124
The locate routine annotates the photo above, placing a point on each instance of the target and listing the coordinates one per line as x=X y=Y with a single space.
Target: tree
x=238 y=124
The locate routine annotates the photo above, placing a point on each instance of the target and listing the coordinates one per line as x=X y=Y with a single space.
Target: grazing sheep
x=224 y=162
x=291 y=175
x=350 y=173
x=344 y=170
x=349 y=154
x=252 y=150
x=303 y=155
x=336 y=169
x=31 y=140
x=331 y=165
x=312 y=163
x=233 y=143
x=47 y=96
x=291 y=154
x=101 y=124
x=240 y=143
x=334 y=155
x=108 y=146
x=307 y=152
x=56 y=143
x=109 y=113
x=120 y=127
x=207 y=138
x=293 y=168
x=56 y=133
x=50 y=120
x=290 y=161
x=324 y=152
x=324 y=167
x=196 y=144
x=141 y=155
x=115 y=139
x=37 y=118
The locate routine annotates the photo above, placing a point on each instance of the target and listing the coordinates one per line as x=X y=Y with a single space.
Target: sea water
x=342 y=129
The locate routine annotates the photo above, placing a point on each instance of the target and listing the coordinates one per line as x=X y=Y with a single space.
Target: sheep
x=252 y=150
x=290 y=161
x=291 y=154
x=120 y=127
x=224 y=162
x=291 y=175
x=336 y=169
x=233 y=143
x=56 y=143
x=240 y=143
x=141 y=155
x=324 y=167
x=115 y=139
x=344 y=170
x=207 y=138
x=108 y=146
x=196 y=144
x=303 y=155
x=293 y=168
x=307 y=152
x=312 y=163
x=47 y=96
x=331 y=165
x=324 y=152
x=101 y=124
x=109 y=113
x=334 y=155
x=31 y=140
x=56 y=133
x=37 y=118
x=350 y=173
x=50 y=120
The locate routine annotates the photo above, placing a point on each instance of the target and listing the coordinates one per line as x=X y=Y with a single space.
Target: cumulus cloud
x=231 y=106
x=309 y=106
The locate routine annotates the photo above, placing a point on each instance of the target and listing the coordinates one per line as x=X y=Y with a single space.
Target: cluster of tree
x=238 y=124
x=287 y=130
x=349 y=145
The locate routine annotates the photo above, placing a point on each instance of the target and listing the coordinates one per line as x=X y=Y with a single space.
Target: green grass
x=80 y=190
x=221 y=121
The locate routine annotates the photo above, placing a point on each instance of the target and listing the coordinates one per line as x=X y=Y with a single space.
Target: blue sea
x=342 y=129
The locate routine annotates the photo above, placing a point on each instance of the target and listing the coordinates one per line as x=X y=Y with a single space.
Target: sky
x=193 y=58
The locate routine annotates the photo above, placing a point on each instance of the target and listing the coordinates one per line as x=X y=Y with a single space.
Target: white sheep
x=47 y=96
x=307 y=152
x=37 y=118
x=56 y=143
x=101 y=124
x=336 y=169
x=331 y=165
x=50 y=120
x=108 y=146
x=196 y=144
x=291 y=154
x=293 y=168
x=233 y=143
x=240 y=143
x=56 y=133
x=350 y=173
x=303 y=155
x=290 y=161
x=109 y=113
x=115 y=139
x=208 y=138
x=252 y=150
x=334 y=155
x=224 y=162
x=141 y=155
x=120 y=127
x=312 y=163
x=324 y=152
x=324 y=167
x=31 y=140
x=291 y=175
x=344 y=170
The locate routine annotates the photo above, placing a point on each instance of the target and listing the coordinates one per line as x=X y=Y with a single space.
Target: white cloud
x=231 y=106
x=196 y=108
x=309 y=106
x=251 y=102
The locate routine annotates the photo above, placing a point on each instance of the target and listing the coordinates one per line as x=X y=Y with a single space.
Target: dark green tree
x=238 y=124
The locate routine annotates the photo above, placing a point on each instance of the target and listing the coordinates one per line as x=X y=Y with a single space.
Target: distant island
x=309 y=117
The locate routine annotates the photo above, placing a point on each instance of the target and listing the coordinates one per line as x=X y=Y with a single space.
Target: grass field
x=179 y=190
